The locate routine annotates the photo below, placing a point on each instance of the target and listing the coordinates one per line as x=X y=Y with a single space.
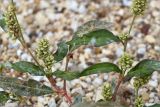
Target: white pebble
x=19 y=52
x=141 y=50
x=52 y=103
x=153 y=83
x=97 y=82
x=119 y=52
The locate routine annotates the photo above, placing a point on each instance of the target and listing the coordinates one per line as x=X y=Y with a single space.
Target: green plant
x=91 y=33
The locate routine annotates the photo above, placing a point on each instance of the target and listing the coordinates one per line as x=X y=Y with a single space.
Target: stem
x=136 y=92
x=64 y=84
x=66 y=68
x=51 y=80
x=117 y=87
x=125 y=43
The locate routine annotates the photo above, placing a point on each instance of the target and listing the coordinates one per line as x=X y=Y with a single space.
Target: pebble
x=52 y=103
x=64 y=104
x=78 y=90
x=15 y=104
x=150 y=39
x=98 y=95
x=119 y=52
x=145 y=96
x=141 y=50
x=153 y=83
x=19 y=52
x=26 y=57
x=105 y=77
x=127 y=2
x=97 y=82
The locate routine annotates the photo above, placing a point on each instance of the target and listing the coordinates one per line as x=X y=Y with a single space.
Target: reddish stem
x=117 y=87
x=59 y=90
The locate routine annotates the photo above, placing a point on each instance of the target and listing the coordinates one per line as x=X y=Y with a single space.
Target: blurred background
x=57 y=20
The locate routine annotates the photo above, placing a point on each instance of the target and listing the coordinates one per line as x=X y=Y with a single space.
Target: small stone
x=104 y=59
x=98 y=95
x=105 y=77
x=52 y=103
x=127 y=2
x=88 y=80
x=119 y=52
x=150 y=39
x=84 y=85
x=19 y=52
x=82 y=9
x=153 y=83
x=145 y=96
x=26 y=57
x=41 y=19
x=152 y=95
x=141 y=50
x=64 y=104
x=78 y=90
x=15 y=104
x=97 y=82
x=72 y=5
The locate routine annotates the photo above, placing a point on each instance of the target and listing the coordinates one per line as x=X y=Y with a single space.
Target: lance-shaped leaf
x=25 y=67
x=4 y=97
x=24 y=88
x=92 y=25
x=96 y=38
x=3 y=22
x=61 y=51
x=144 y=68
x=105 y=67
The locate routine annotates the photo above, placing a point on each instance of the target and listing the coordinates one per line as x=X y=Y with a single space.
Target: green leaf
x=24 y=88
x=61 y=51
x=96 y=38
x=3 y=23
x=144 y=68
x=25 y=67
x=66 y=75
x=104 y=67
x=91 y=25
x=4 y=97
x=96 y=68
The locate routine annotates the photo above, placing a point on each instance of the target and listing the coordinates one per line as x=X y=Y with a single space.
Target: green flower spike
x=139 y=102
x=49 y=61
x=138 y=82
x=44 y=54
x=43 y=49
x=11 y=22
x=123 y=37
x=138 y=7
x=107 y=92
x=125 y=61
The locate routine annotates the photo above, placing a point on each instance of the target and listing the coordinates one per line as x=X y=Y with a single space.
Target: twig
x=117 y=87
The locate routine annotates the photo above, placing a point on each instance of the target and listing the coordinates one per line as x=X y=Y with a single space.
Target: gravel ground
x=56 y=20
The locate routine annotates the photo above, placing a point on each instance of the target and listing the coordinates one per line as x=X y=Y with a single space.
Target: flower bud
x=138 y=7
x=11 y=22
x=44 y=54
x=107 y=91
x=125 y=61
x=123 y=37
x=49 y=61
x=139 y=102
x=43 y=49
x=138 y=82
